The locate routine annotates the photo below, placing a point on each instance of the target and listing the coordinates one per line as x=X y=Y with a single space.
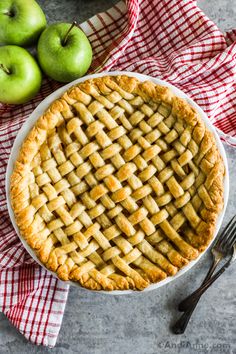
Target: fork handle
x=183 y=305
x=181 y=324
x=195 y=296
x=183 y=321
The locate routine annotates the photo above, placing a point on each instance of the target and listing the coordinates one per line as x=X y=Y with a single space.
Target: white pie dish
x=43 y=106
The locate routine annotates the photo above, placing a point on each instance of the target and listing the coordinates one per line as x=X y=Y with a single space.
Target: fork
x=223 y=246
x=220 y=249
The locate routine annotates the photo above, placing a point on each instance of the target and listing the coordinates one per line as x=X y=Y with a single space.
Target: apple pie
x=118 y=185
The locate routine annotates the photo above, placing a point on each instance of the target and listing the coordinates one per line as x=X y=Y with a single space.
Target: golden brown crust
x=117 y=203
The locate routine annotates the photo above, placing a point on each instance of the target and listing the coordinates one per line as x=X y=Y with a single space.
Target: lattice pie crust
x=118 y=185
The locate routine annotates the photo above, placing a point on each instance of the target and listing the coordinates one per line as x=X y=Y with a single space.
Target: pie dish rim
x=27 y=126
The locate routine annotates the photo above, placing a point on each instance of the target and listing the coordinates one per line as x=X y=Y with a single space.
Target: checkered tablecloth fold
x=169 y=39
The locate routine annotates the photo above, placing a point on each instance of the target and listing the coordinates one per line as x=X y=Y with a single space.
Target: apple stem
x=67 y=33
x=9 y=13
x=7 y=71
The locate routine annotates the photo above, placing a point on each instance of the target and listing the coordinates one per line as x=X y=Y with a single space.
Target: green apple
x=21 y=22
x=64 y=52
x=20 y=76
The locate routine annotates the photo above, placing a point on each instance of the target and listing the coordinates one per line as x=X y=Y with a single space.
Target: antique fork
x=223 y=246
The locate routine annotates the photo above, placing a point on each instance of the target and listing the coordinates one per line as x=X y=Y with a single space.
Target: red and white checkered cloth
x=169 y=39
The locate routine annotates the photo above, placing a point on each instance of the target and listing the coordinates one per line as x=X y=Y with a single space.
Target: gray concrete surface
x=139 y=323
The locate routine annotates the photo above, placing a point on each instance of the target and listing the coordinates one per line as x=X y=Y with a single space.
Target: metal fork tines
x=223 y=246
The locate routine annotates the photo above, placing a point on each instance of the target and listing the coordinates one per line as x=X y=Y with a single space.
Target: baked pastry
x=118 y=185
